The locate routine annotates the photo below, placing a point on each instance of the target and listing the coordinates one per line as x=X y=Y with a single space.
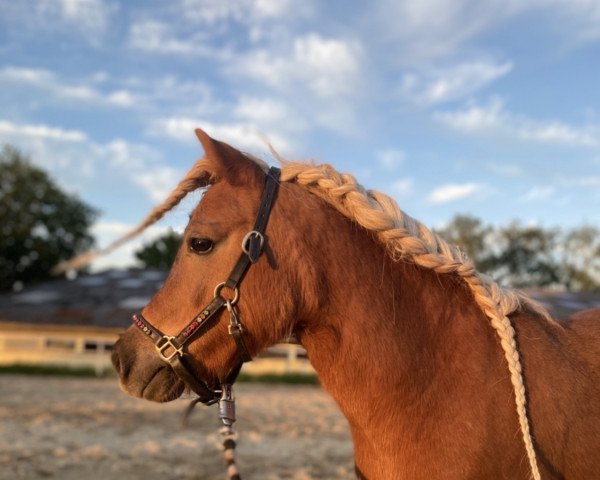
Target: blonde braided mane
x=404 y=237
x=408 y=239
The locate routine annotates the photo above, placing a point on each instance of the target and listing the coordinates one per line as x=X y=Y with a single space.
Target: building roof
x=105 y=299
x=108 y=299
x=562 y=305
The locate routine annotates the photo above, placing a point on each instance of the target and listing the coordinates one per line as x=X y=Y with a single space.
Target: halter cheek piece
x=172 y=348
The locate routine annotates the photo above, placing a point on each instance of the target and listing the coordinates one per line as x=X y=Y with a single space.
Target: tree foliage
x=530 y=256
x=40 y=225
x=160 y=253
x=470 y=235
x=580 y=259
x=525 y=257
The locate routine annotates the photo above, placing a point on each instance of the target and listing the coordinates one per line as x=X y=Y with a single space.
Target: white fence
x=88 y=347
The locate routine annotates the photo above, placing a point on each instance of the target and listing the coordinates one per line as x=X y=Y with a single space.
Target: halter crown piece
x=172 y=349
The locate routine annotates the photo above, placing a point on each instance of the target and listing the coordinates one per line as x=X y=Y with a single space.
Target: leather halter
x=172 y=348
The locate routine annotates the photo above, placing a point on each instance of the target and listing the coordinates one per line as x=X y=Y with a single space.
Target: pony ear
x=228 y=163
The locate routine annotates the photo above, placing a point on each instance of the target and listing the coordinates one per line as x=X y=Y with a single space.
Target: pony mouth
x=163 y=386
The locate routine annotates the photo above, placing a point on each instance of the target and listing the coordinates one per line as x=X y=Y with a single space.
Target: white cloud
x=86 y=15
x=442 y=85
x=494 y=119
x=560 y=133
x=318 y=76
x=403 y=187
x=75 y=160
x=90 y=19
x=64 y=153
x=586 y=182
x=243 y=11
x=329 y=67
x=10 y=129
x=428 y=30
x=390 y=159
x=261 y=110
x=241 y=135
x=158 y=182
x=106 y=231
x=475 y=117
x=581 y=18
x=126 y=155
x=49 y=82
x=271 y=115
x=34 y=76
x=158 y=37
x=506 y=169
x=456 y=191
x=142 y=166
x=121 y=98
x=538 y=194
x=248 y=123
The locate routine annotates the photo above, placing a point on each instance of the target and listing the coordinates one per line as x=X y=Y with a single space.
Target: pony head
x=269 y=304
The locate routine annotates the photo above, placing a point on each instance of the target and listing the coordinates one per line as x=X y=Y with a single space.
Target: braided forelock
x=408 y=239
x=200 y=175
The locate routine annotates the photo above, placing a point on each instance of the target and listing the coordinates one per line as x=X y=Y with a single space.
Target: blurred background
x=481 y=118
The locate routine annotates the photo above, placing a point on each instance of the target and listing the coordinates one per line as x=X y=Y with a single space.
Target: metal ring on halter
x=252 y=233
x=236 y=293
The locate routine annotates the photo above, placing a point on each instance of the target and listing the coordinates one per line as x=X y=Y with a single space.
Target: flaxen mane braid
x=408 y=239
x=405 y=238
x=197 y=177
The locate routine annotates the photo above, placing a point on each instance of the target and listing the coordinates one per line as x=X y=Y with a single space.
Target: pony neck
x=384 y=344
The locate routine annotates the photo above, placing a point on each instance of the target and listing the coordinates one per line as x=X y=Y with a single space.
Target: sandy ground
x=87 y=429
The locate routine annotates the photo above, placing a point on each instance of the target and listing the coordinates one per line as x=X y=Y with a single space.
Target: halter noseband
x=172 y=348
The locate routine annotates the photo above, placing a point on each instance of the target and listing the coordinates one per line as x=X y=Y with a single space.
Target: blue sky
x=486 y=107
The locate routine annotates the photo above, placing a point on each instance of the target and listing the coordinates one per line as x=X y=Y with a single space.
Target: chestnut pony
x=440 y=372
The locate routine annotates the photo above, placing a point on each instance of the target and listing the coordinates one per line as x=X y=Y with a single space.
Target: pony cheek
x=214 y=360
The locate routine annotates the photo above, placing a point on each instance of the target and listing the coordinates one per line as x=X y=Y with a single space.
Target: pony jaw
x=163 y=386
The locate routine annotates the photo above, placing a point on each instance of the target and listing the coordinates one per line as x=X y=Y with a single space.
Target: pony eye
x=201 y=245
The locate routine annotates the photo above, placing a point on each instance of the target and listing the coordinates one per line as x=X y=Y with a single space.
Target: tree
x=40 y=225
x=471 y=236
x=523 y=256
x=526 y=256
x=160 y=253
x=580 y=262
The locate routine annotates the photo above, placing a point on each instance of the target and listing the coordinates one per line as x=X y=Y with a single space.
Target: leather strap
x=255 y=243
x=206 y=395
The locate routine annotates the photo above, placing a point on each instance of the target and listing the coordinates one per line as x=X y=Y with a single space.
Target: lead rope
x=228 y=433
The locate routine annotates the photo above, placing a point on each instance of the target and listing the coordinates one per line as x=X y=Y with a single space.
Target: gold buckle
x=164 y=343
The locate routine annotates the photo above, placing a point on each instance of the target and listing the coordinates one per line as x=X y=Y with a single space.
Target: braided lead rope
x=229 y=438
x=228 y=434
x=408 y=239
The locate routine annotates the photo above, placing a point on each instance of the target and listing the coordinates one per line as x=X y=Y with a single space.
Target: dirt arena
x=85 y=428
